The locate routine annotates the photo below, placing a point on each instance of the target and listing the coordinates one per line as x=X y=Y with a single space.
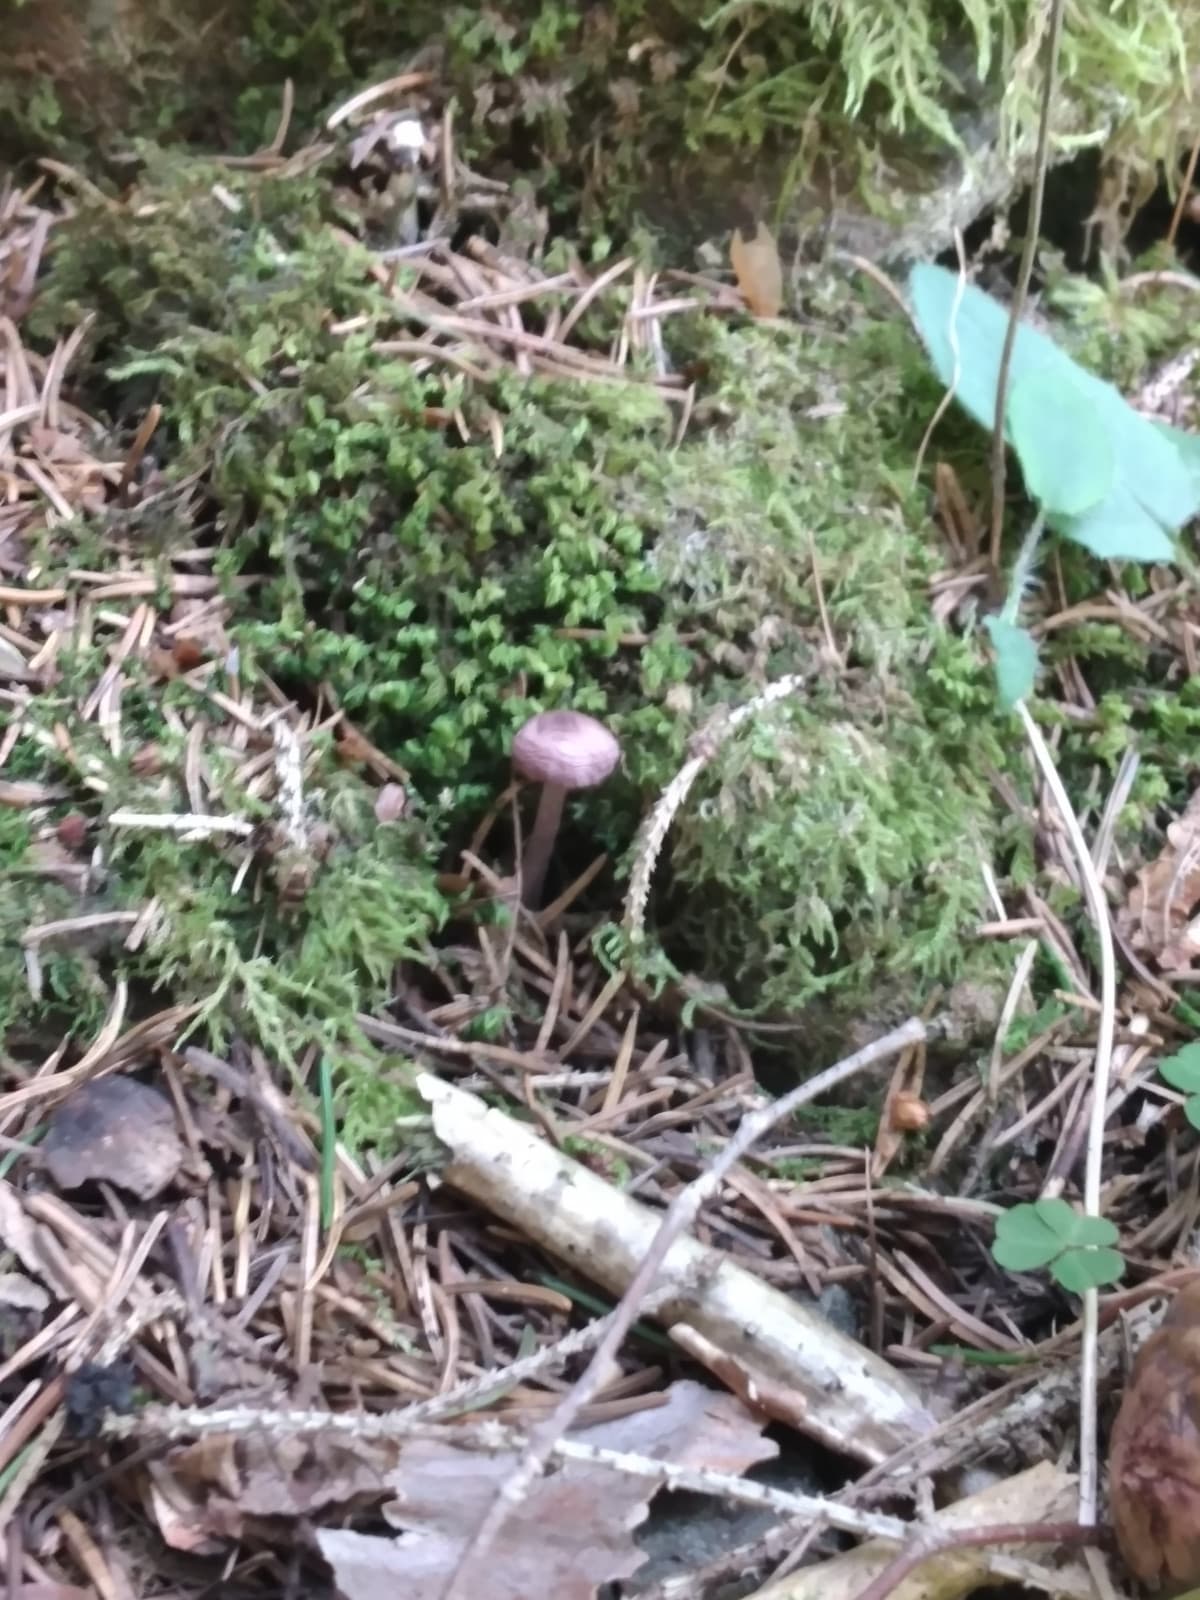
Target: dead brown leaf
x=572 y=1534
x=216 y=1488
x=1160 y=919
x=115 y=1129
x=758 y=270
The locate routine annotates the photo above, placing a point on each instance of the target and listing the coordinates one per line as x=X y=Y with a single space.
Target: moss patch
x=441 y=554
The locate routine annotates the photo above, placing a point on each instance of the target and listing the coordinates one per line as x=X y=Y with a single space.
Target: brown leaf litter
x=572 y=1535
x=115 y=1129
x=1160 y=916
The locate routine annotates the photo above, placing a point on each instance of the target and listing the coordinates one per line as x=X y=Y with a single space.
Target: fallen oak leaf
x=222 y=1483
x=574 y=1530
x=116 y=1129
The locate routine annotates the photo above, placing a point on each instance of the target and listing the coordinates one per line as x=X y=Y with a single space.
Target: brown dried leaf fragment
x=1160 y=918
x=1154 y=1454
x=758 y=270
x=114 y=1129
x=572 y=1534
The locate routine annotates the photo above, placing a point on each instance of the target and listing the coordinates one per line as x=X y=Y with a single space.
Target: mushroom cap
x=567 y=748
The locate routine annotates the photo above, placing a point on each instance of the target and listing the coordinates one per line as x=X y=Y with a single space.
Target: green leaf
x=1024 y=1256
x=1016 y=660
x=1066 y=459
x=1079 y=1270
x=1188 y=444
x=1155 y=485
x=1118 y=529
x=1050 y=1233
x=1023 y=1241
x=1182 y=1070
x=1191 y=1111
x=1095 y=1231
x=1060 y=1217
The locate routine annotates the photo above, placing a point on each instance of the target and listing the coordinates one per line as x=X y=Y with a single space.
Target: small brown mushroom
x=561 y=750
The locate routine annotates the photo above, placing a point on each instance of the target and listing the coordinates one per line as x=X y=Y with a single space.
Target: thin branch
x=1021 y=291
x=702 y=748
x=679 y=1216
x=1185 y=189
x=926 y=1548
x=1098 y=907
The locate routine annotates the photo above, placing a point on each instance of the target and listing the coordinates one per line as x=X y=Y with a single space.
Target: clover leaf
x=1050 y=1233
x=1182 y=1071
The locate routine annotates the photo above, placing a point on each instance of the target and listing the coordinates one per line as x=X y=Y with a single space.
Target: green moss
x=852 y=1126
x=605 y=104
x=442 y=589
x=443 y=593
x=73 y=998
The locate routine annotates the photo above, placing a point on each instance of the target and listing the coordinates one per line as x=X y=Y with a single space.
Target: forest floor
x=342 y=1190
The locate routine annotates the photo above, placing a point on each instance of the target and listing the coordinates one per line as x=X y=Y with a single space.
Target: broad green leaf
x=1188 y=444
x=1066 y=459
x=1155 y=487
x=1182 y=1070
x=1119 y=529
x=1079 y=1270
x=1191 y=1111
x=1016 y=660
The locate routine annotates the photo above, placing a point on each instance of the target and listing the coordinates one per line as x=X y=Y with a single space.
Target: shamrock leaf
x=1182 y=1071
x=1050 y=1233
x=1080 y=1270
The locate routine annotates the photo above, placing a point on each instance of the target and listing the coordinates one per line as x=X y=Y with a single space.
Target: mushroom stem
x=535 y=858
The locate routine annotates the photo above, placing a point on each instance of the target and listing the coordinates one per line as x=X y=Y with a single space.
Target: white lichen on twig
x=704 y=746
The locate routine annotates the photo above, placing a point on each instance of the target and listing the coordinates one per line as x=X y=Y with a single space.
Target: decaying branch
x=849 y=1399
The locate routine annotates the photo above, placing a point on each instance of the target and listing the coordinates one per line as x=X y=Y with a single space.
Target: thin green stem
x=1023 y=568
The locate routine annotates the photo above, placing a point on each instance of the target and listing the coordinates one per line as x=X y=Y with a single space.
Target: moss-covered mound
x=420 y=521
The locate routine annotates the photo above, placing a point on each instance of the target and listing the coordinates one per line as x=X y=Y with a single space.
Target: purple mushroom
x=561 y=750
